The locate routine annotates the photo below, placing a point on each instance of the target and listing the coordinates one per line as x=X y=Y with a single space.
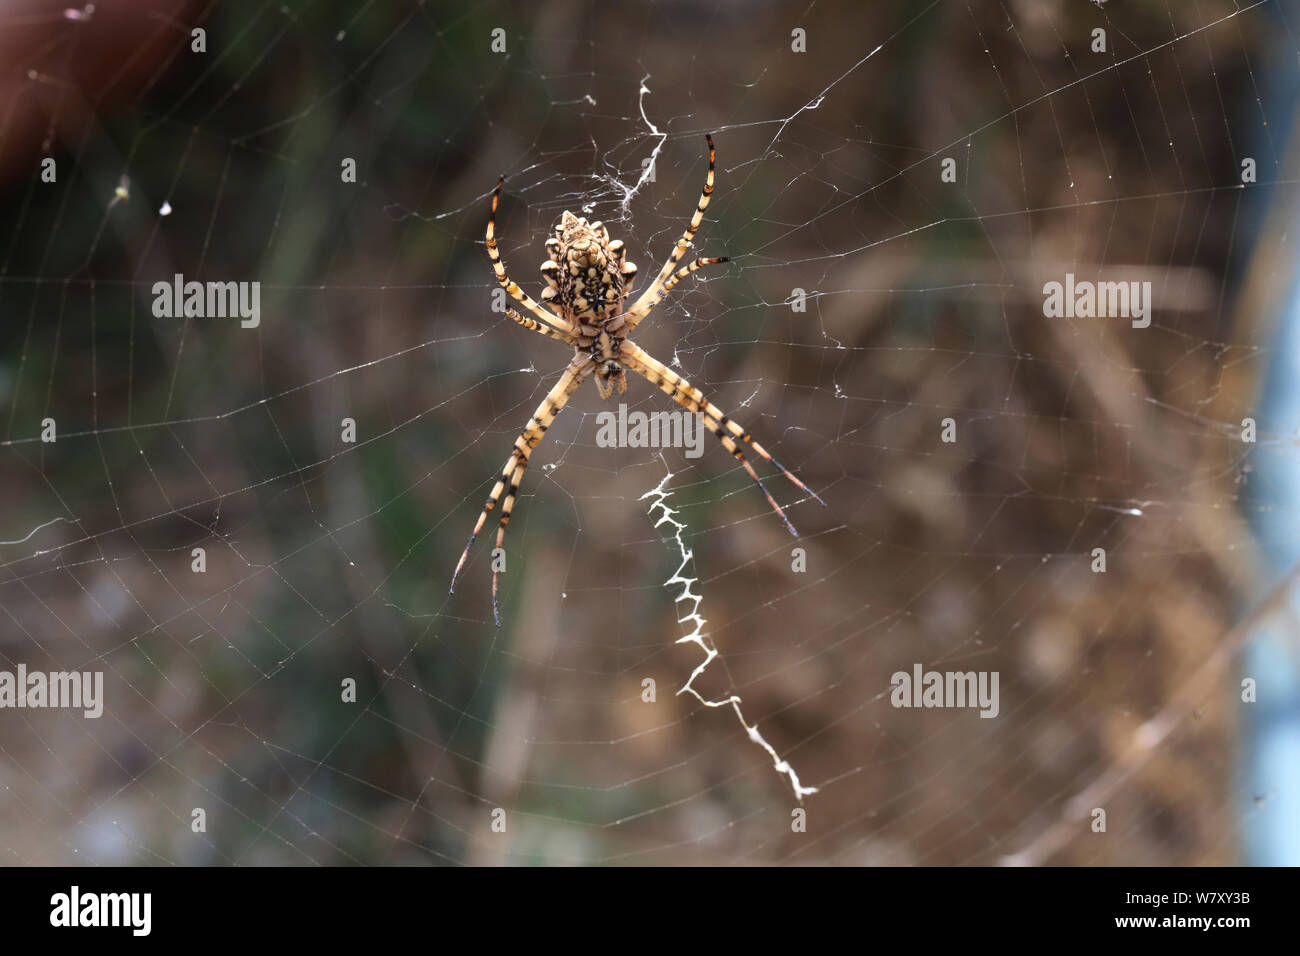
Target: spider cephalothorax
x=587 y=278
x=587 y=281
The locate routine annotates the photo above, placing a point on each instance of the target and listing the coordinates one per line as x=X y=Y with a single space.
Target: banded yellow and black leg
x=507 y=470
x=512 y=473
x=727 y=430
x=511 y=287
x=654 y=292
x=671 y=284
x=545 y=330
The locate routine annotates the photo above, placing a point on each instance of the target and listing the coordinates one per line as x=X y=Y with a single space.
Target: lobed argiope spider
x=587 y=280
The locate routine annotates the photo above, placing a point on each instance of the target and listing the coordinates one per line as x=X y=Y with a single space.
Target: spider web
x=867 y=301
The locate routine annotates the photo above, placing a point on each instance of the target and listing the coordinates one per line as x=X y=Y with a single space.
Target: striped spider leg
x=727 y=430
x=587 y=283
x=512 y=472
x=662 y=285
x=549 y=319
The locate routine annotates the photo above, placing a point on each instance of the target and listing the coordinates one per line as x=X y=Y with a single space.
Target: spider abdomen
x=586 y=275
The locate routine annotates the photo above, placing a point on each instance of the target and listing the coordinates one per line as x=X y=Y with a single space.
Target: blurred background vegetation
x=328 y=560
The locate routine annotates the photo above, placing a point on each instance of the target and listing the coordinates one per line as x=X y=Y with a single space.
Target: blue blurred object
x=1271 y=831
